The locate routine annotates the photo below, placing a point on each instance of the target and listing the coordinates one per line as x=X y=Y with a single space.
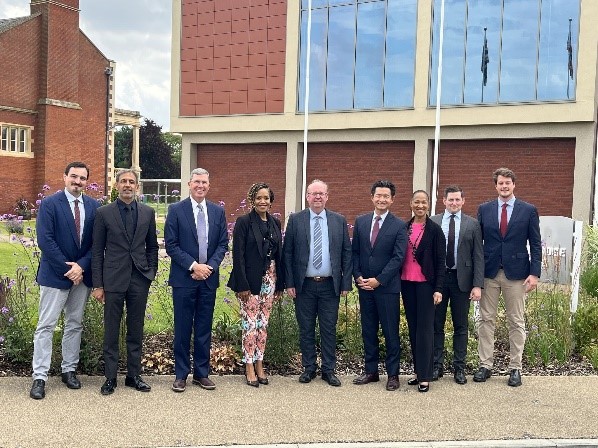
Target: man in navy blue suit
x=196 y=240
x=508 y=225
x=379 y=245
x=64 y=232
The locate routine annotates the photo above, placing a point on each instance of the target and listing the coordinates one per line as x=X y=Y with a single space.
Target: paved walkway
x=287 y=412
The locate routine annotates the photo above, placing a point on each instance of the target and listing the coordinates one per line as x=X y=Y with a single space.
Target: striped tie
x=318 y=243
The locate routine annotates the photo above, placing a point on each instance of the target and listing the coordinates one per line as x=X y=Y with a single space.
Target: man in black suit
x=463 y=281
x=124 y=263
x=317 y=259
x=379 y=245
x=508 y=226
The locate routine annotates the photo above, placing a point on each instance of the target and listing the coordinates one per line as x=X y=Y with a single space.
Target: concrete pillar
x=135 y=151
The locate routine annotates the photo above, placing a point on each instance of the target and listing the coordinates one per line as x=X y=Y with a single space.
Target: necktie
x=503 y=220
x=78 y=221
x=375 y=230
x=129 y=221
x=450 y=247
x=202 y=238
x=318 y=243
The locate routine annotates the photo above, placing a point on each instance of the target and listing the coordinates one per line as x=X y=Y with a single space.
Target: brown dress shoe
x=366 y=378
x=204 y=383
x=392 y=383
x=179 y=385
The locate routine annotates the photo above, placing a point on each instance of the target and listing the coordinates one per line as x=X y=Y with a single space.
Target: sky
x=137 y=35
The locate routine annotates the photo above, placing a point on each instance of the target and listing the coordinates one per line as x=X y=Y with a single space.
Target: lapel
x=331 y=232
x=304 y=225
x=188 y=212
x=69 y=218
x=255 y=227
x=115 y=212
x=383 y=229
x=462 y=229
x=88 y=225
x=140 y=221
x=211 y=222
x=514 y=215
x=494 y=224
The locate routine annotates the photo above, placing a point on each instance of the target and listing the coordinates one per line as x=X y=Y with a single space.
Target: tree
x=175 y=141
x=123 y=142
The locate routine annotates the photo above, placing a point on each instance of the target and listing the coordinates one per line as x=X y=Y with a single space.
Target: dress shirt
x=446 y=219
x=204 y=206
x=121 y=208
x=326 y=268
x=510 y=203
x=71 y=200
x=382 y=218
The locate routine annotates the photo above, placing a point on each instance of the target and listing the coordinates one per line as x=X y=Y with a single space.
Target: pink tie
x=375 y=231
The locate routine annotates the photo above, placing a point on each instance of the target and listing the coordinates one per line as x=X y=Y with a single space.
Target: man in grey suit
x=463 y=281
x=124 y=261
x=317 y=258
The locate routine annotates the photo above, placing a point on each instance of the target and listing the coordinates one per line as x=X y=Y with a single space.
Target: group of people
x=112 y=252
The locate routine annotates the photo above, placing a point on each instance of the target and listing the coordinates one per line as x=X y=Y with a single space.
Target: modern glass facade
x=362 y=54
x=531 y=48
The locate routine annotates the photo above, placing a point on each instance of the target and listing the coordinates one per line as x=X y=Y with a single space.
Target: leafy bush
x=13 y=224
x=585 y=326
x=588 y=280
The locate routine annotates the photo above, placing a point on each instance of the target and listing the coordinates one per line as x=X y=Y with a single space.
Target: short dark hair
x=384 y=184
x=420 y=191
x=453 y=189
x=504 y=172
x=76 y=165
x=252 y=193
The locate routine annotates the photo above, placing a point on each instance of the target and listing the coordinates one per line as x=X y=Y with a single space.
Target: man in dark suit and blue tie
x=317 y=259
x=463 y=281
x=508 y=225
x=124 y=263
x=196 y=240
x=379 y=245
x=64 y=227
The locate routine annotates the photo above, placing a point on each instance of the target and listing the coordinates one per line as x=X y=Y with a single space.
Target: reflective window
x=500 y=51
x=362 y=54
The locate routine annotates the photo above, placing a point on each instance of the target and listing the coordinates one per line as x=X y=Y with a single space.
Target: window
x=531 y=48
x=362 y=54
x=15 y=139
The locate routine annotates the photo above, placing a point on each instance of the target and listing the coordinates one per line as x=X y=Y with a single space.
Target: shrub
x=13 y=224
x=283 y=333
x=585 y=326
x=588 y=280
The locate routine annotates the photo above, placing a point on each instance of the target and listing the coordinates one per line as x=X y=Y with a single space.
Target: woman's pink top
x=412 y=271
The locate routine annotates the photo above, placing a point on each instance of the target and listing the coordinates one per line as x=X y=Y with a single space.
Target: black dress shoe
x=38 y=389
x=460 y=376
x=514 y=378
x=437 y=373
x=254 y=383
x=265 y=381
x=71 y=380
x=482 y=375
x=422 y=388
x=331 y=379
x=413 y=382
x=204 y=383
x=137 y=383
x=392 y=383
x=366 y=378
x=306 y=377
x=108 y=386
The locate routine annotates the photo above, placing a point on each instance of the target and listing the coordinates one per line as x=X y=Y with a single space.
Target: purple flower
x=4 y=310
x=46 y=187
x=11 y=320
x=175 y=192
x=149 y=317
x=156 y=197
x=141 y=197
x=221 y=203
x=1 y=339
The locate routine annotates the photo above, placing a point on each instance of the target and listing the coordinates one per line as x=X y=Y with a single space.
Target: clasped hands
x=201 y=271
x=367 y=284
x=75 y=273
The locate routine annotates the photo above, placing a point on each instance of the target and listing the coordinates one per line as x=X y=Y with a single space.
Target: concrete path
x=287 y=412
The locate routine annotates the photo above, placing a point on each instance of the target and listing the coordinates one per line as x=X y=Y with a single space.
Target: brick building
x=55 y=101
x=519 y=89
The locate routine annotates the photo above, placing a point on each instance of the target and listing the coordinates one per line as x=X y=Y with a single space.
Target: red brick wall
x=543 y=167
x=232 y=57
x=234 y=168
x=350 y=169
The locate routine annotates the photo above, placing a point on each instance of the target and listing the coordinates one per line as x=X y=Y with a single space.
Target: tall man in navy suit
x=379 y=245
x=124 y=263
x=463 y=281
x=317 y=259
x=64 y=228
x=508 y=225
x=196 y=240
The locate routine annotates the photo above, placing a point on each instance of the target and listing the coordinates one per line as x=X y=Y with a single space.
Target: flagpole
x=434 y=194
x=306 y=106
x=569 y=58
x=484 y=63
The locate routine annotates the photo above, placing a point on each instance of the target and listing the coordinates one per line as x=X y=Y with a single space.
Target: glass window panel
x=317 y=85
x=314 y=3
x=399 y=76
x=369 y=69
x=4 y=138
x=22 y=140
x=482 y=14
x=453 y=56
x=13 y=139
x=341 y=2
x=341 y=58
x=554 y=80
x=519 y=50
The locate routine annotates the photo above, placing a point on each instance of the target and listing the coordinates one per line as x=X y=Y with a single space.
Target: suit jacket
x=296 y=250
x=248 y=254
x=58 y=240
x=431 y=254
x=180 y=234
x=524 y=227
x=114 y=255
x=384 y=260
x=470 y=252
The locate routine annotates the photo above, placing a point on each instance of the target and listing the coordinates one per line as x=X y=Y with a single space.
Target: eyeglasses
x=317 y=194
